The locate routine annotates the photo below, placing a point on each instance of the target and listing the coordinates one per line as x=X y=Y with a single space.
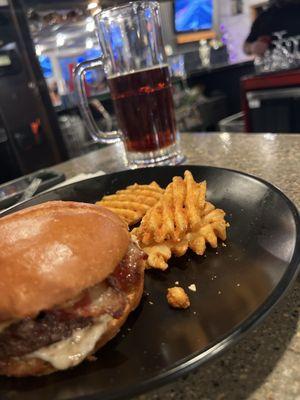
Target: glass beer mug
x=138 y=77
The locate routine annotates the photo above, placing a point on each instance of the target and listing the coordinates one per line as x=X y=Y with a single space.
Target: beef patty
x=50 y=326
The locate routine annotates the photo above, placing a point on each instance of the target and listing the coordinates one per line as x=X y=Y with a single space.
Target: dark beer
x=144 y=107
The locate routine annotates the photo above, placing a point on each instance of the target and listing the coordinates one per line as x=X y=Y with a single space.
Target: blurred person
x=280 y=15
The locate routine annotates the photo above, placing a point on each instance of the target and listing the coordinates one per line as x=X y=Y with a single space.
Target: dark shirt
x=276 y=19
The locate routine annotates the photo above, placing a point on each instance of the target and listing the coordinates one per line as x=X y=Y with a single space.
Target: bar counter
x=265 y=365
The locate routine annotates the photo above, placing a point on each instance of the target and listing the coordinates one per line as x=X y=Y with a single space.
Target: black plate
x=236 y=286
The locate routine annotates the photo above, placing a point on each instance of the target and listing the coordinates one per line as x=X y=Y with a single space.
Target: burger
x=69 y=277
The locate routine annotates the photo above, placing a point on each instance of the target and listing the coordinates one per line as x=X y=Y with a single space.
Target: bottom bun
x=20 y=367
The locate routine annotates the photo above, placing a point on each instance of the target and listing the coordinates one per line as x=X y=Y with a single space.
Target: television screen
x=193 y=15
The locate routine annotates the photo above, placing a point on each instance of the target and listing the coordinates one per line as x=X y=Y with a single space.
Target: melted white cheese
x=70 y=352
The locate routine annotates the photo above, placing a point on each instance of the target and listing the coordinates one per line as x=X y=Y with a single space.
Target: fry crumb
x=151 y=303
x=177 y=298
x=193 y=288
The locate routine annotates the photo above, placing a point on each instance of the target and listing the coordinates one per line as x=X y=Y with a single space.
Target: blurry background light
x=60 y=39
x=90 y=26
x=89 y=44
x=92 y=5
x=38 y=49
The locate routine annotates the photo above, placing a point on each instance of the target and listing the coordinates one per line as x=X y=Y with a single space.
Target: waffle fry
x=160 y=254
x=132 y=203
x=212 y=228
x=181 y=219
x=177 y=211
x=173 y=220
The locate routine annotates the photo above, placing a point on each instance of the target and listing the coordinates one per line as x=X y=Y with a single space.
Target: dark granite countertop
x=266 y=364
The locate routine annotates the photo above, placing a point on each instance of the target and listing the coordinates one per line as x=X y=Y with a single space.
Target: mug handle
x=83 y=105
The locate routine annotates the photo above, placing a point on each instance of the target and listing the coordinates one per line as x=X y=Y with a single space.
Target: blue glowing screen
x=193 y=15
x=46 y=66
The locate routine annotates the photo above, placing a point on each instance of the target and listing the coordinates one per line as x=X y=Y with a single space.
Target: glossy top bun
x=49 y=253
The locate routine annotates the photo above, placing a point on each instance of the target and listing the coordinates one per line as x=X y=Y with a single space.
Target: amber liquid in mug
x=144 y=108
